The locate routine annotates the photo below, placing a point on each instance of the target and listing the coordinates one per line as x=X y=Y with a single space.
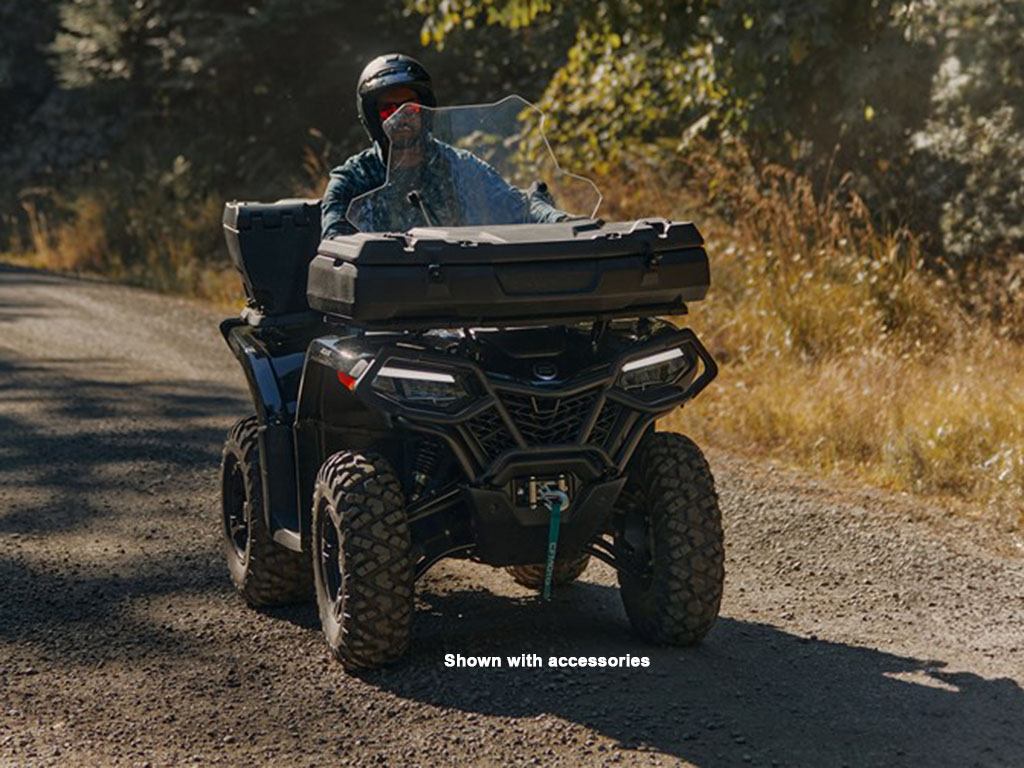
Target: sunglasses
x=386 y=111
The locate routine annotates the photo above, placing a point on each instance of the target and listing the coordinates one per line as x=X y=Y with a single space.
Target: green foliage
x=920 y=102
x=26 y=27
x=970 y=150
x=103 y=40
x=612 y=97
x=794 y=78
x=445 y=16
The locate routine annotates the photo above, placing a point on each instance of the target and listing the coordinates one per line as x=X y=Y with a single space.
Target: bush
x=970 y=152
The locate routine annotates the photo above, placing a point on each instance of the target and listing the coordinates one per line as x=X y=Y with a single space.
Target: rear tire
x=566 y=572
x=362 y=563
x=263 y=572
x=668 y=518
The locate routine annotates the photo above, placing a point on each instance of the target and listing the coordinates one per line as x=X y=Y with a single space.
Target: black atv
x=474 y=374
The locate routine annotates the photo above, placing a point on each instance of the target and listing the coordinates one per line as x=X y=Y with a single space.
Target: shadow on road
x=82 y=617
x=98 y=477
x=65 y=438
x=751 y=692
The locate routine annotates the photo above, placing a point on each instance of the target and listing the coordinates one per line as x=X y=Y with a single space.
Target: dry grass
x=839 y=350
x=147 y=243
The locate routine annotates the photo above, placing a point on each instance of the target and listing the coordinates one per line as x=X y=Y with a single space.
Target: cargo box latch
x=434 y=273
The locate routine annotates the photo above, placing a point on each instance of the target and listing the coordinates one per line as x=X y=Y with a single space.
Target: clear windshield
x=466 y=166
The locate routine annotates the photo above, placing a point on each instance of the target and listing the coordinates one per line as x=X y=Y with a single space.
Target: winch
x=531 y=491
x=555 y=500
x=554 y=495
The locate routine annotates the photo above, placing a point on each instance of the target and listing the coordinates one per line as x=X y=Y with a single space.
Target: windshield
x=482 y=164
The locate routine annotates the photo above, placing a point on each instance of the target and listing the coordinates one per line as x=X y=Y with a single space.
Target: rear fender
x=272 y=384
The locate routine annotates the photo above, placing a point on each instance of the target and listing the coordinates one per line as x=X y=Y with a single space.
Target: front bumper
x=507 y=534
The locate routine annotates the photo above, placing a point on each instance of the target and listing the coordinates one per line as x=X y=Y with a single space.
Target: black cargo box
x=508 y=274
x=271 y=245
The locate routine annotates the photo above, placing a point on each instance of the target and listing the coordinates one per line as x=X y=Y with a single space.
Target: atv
x=477 y=372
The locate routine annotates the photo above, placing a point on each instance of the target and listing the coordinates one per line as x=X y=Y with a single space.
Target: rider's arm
x=543 y=212
x=358 y=175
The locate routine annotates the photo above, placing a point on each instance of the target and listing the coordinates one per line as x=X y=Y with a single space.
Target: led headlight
x=655 y=370
x=420 y=388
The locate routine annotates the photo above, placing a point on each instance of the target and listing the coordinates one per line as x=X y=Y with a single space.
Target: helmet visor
x=384 y=111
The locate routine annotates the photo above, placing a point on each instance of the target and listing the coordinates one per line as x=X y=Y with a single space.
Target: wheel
x=264 y=572
x=669 y=526
x=363 y=568
x=566 y=572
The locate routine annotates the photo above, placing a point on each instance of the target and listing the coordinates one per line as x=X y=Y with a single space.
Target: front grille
x=490 y=433
x=543 y=420
x=546 y=420
x=605 y=424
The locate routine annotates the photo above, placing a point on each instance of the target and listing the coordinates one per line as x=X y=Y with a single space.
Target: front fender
x=328 y=416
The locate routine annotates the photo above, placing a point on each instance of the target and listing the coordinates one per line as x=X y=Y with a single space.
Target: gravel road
x=858 y=628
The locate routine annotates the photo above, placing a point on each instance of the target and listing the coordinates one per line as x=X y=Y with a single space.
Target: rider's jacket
x=452 y=186
x=358 y=175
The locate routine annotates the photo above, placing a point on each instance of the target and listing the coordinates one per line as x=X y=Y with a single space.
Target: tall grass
x=136 y=234
x=840 y=349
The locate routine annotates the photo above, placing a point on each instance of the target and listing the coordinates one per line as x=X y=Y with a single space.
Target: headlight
x=655 y=370
x=420 y=388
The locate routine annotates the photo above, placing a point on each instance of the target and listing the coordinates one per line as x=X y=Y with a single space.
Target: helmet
x=386 y=72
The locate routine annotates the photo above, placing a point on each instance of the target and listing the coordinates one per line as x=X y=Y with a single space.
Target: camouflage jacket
x=454 y=187
x=358 y=175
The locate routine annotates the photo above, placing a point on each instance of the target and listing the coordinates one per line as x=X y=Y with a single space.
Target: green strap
x=553 y=528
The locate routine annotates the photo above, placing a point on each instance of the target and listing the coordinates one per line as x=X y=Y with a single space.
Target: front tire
x=669 y=522
x=362 y=563
x=263 y=572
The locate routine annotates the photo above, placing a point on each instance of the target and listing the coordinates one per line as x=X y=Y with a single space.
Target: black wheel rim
x=329 y=558
x=637 y=536
x=236 y=507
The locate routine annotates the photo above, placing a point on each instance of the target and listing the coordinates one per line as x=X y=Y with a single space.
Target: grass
x=839 y=350
x=176 y=248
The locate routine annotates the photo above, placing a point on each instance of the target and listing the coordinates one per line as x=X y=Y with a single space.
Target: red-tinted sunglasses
x=411 y=107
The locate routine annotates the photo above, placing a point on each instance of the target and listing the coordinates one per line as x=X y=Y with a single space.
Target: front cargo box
x=506 y=274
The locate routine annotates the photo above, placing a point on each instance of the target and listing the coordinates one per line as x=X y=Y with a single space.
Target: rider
x=386 y=84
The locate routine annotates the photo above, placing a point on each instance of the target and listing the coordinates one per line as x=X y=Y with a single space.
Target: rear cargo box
x=508 y=274
x=271 y=245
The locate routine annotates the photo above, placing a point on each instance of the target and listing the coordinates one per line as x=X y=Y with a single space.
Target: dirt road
x=857 y=628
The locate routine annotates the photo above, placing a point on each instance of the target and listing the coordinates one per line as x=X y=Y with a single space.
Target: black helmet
x=386 y=72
